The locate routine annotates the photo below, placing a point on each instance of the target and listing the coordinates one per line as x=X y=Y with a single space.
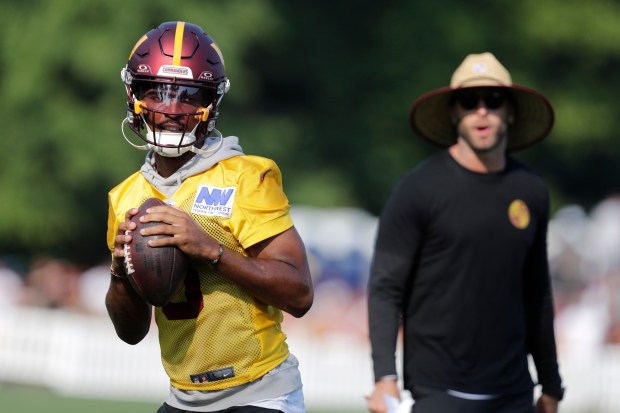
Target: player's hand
x=547 y=404
x=186 y=233
x=376 y=401
x=121 y=239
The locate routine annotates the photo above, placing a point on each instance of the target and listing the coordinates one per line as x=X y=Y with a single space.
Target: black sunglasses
x=468 y=99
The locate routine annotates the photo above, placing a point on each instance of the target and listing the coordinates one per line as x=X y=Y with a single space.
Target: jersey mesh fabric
x=211 y=324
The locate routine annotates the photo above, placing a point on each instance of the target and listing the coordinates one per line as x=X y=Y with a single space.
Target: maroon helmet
x=175 y=61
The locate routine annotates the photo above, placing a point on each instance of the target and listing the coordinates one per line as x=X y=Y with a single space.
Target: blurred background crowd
x=584 y=254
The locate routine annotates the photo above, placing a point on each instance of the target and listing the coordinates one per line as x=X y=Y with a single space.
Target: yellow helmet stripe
x=142 y=39
x=219 y=53
x=178 y=44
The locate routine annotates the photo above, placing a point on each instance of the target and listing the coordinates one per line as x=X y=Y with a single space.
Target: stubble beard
x=500 y=140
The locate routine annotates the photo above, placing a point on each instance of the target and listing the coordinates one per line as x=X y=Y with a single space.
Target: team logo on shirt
x=519 y=214
x=214 y=201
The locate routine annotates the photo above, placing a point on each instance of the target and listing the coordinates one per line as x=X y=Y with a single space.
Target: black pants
x=439 y=401
x=235 y=409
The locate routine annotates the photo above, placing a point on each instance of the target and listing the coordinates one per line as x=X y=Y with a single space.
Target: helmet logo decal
x=519 y=214
x=176 y=71
x=178 y=44
x=205 y=76
x=144 y=69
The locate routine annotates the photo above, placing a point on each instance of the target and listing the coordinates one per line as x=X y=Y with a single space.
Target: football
x=156 y=273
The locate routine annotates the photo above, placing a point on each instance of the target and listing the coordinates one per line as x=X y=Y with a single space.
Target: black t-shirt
x=462 y=258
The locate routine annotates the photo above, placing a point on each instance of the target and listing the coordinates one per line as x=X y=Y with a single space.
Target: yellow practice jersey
x=212 y=334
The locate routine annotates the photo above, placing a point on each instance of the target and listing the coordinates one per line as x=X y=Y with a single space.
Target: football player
x=220 y=335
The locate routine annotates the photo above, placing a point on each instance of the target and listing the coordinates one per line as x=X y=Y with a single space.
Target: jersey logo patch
x=214 y=201
x=519 y=214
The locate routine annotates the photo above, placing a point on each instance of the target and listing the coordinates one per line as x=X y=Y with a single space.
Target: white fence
x=79 y=355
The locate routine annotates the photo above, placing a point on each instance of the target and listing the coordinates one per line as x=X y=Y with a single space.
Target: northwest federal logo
x=214 y=201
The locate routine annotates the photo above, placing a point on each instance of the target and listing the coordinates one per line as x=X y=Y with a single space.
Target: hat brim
x=429 y=117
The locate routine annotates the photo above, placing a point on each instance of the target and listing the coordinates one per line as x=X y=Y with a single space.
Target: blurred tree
x=64 y=102
x=322 y=88
x=347 y=72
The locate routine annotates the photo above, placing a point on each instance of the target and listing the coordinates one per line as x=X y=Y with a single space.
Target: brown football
x=156 y=273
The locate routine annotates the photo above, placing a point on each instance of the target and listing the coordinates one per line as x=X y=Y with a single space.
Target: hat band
x=481 y=81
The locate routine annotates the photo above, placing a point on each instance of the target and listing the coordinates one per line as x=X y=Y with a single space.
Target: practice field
x=19 y=399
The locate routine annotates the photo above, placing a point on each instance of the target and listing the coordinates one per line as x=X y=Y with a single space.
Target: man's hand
x=547 y=404
x=120 y=240
x=376 y=401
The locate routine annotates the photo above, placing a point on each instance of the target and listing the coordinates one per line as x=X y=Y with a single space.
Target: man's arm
x=277 y=274
x=398 y=240
x=540 y=317
x=130 y=314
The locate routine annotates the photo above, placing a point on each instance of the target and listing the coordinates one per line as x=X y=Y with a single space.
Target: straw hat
x=429 y=115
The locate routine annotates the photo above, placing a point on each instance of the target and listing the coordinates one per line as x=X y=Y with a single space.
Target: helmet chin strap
x=144 y=147
x=211 y=147
x=173 y=152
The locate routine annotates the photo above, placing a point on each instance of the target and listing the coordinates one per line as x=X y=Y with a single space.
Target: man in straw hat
x=461 y=256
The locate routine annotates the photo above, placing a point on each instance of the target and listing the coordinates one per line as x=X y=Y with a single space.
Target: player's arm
x=130 y=314
x=276 y=271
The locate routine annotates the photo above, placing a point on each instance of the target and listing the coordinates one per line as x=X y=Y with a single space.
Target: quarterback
x=220 y=334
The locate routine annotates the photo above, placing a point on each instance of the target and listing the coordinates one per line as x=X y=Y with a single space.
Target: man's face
x=482 y=116
x=173 y=108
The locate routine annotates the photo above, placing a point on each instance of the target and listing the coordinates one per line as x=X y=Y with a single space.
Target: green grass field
x=21 y=399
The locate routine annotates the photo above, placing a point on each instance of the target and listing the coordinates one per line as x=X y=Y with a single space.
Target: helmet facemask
x=171 y=118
